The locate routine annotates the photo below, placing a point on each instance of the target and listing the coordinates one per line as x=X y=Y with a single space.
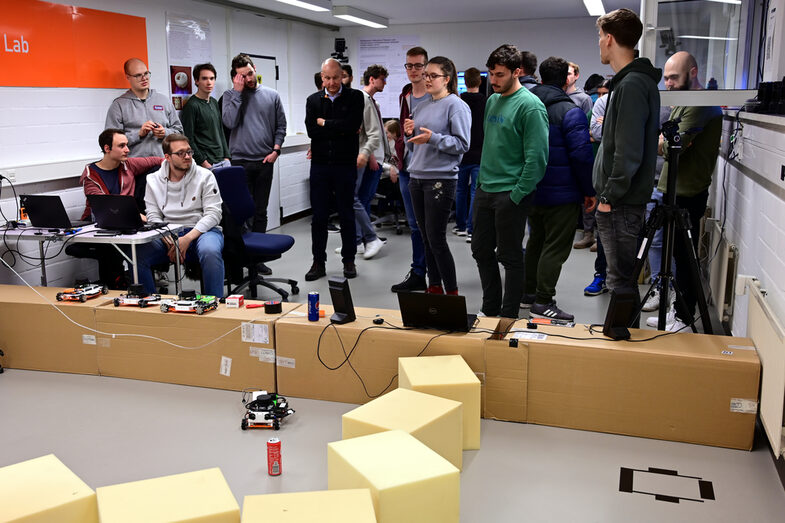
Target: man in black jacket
x=333 y=118
x=624 y=167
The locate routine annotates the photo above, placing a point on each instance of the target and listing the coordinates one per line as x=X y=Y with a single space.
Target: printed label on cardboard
x=529 y=335
x=743 y=406
x=226 y=366
x=255 y=332
x=268 y=356
x=285 y=362
x=89 y=339
x=297 y=313
x=255 y=352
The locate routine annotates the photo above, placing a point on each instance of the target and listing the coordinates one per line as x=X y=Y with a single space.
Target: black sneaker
x=549 y=311
x=349 y=270
x=332 y=228
x=527 y=300
x=263 y=269
x=412 y=282
x=316 y=271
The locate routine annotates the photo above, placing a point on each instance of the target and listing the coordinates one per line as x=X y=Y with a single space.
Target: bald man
x=145 y=116
x=333 y=117
x=701 y=129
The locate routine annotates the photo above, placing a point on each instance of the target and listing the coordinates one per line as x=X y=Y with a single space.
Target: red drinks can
x=274 y=457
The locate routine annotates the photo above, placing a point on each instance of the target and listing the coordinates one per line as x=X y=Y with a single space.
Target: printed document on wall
x=389 y=51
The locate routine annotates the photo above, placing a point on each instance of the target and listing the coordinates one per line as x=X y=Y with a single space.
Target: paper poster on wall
x=389 y=51
x=188 y=43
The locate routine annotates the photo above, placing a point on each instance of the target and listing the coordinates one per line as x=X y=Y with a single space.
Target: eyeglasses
x=184 y=154
x=429 y=76
x=146 y=74
x=409 y=67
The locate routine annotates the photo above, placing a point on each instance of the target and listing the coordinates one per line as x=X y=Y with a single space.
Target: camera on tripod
x=670 y=131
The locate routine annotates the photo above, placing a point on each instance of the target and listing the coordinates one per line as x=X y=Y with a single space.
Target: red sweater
x=126 y=173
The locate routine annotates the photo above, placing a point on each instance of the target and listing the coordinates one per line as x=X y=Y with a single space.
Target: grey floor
x=111 y=430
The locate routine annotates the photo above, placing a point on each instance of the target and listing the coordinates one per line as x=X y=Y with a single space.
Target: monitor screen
x=462 y=83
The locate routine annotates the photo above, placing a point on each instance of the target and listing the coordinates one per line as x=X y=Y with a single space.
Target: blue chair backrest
x=234 y=192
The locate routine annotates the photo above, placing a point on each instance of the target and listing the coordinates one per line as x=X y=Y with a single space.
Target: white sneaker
x=676 y=326
x=373 y=248
x=360 y=249
x=669 y=318
x=653 y=303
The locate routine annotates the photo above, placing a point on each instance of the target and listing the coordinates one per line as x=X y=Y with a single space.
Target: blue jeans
x=464 y=196
x=655 y=250
x=364 y=190
x=207 y=248
x=418 y=248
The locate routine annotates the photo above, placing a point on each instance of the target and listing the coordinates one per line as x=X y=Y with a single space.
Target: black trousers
x=695 y=207
x=499 y=227
x=259 y=176
x=332 y=184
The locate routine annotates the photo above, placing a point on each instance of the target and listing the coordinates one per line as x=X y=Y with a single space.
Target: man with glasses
x=184 y=193
x=145 y=116
x=256 y=117
x=411 y=96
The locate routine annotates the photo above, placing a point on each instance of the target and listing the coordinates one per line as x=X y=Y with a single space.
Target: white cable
x=120 y=335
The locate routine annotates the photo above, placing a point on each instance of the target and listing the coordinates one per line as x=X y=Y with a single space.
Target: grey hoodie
x=194 y=201
x=129 y=113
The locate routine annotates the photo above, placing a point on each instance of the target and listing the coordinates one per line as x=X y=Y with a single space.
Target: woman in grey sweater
x=437 y=136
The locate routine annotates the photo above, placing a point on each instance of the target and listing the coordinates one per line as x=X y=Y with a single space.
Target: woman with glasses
x=437 y=135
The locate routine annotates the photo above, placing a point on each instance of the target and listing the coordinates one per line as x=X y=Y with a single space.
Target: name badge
x=158 y=108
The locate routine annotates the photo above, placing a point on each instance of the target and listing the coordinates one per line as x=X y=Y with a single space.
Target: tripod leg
x=689 y=249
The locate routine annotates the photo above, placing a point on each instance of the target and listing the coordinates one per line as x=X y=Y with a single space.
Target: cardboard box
x=374 y=359
x=692 y=388
x=35 y=336
x=506 y=381
x=243 y=354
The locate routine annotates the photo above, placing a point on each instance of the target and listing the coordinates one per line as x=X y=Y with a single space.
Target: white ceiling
x=424 y=12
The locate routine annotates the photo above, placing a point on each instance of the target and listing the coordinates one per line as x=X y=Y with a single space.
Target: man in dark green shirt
x=701 y=130
x=514 y=157
x=201 y=121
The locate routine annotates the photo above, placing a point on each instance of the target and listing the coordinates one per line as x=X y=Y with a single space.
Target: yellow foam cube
x=202 y=496
x=43 y=489
x=408 y=481
x=448 y=377
x=435 y=421
x=324 y=506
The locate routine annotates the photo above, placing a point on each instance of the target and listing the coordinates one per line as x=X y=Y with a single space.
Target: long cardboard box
x=692 y=388
x=34 y=335
x=225 y=349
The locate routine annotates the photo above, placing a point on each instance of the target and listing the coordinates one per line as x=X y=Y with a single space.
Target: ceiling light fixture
x=311 y=5
x=594 y=7
x=696 y=37
x=357 y=16
x=734 y=2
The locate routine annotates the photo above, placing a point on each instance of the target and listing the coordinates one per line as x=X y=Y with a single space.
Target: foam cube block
x=408 y=481
x=448 y=377
x=325 y=506
x=42 y=490
x=202 y=496
x=435 y=421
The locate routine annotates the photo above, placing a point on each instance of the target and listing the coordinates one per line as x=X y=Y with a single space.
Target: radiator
x=719 y=260
x=768 y=335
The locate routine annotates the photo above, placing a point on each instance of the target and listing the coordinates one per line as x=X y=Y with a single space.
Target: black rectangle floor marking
x=667 y=472
x=625 y=479
x=706 y=489
x=663 y=497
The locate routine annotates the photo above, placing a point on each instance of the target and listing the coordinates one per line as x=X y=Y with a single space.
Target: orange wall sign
x=53 y=45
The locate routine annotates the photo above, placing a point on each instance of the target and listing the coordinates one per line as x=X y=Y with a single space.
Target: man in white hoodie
x=144 y=115
x=184 y=193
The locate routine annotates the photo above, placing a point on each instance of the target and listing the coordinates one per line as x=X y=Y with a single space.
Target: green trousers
x=551 y=235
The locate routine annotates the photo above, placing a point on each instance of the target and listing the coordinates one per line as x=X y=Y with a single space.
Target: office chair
x=252 y=247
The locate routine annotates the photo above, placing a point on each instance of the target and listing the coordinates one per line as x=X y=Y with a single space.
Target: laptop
x=117 y=212
x=435 y=311
x=48 y=211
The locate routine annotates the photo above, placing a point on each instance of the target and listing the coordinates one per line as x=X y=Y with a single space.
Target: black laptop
x=47 y=211
x=435 y=311
x=117 y=212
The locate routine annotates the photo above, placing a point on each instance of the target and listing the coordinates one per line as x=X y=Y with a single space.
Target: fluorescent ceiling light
x=734 y=2
x=594 y=7
x=352 y=14
x=311 y=5
x=696 y=37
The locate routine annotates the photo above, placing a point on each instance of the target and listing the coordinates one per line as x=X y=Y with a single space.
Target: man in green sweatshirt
x=514 y=157
x=201 y=120
x=624 y=166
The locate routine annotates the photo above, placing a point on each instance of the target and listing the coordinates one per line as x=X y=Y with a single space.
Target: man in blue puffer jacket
x=557 y=203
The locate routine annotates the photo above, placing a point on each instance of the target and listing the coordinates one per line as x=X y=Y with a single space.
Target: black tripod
x=674 y=221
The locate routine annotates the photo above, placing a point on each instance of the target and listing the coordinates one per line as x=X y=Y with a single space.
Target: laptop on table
x=117 y=212
x=435 y=311
x=48 y=212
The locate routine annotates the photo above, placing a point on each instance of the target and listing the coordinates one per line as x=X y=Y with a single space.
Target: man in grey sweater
x=145 y=116
x=255 y=115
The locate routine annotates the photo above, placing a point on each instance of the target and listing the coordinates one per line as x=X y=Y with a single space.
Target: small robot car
x=137 y=297
x=82 y=292
x=189 y=301
x=264 y=411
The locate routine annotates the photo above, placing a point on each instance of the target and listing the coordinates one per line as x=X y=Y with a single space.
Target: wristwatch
x=604 y=200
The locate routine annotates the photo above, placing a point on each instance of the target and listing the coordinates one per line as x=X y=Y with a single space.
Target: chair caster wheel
x=295 y=290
